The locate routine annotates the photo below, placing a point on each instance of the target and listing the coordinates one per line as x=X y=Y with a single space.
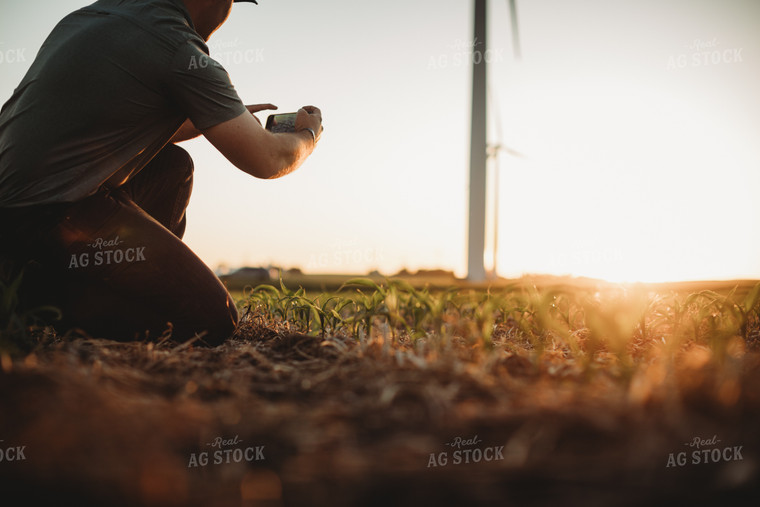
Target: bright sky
x=637 y=122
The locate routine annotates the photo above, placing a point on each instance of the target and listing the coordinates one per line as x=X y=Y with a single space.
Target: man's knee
x=170 y=169
x=225 y=323
x=163 y=188
x=215 y=323
x=178 y=159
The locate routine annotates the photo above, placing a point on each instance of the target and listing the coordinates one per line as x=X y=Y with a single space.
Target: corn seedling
x=16 y=324
x=611 y=331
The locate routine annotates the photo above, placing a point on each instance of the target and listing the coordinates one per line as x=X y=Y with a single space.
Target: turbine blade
x=515 y=28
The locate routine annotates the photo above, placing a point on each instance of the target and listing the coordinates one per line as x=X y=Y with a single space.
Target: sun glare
x=630 y=190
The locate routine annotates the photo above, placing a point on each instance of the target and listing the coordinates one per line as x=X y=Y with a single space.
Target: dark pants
x=114 y=263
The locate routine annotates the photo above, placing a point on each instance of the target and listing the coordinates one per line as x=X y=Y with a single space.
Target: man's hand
x=263 y=154
x=309 y=117
x=260 y=107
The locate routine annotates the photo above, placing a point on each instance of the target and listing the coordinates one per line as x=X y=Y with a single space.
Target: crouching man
x=93 y=190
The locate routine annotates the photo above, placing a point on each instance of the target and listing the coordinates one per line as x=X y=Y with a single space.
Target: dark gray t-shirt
x=109 y=88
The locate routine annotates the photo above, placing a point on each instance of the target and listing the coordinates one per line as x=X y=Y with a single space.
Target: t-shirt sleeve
x=201 y=88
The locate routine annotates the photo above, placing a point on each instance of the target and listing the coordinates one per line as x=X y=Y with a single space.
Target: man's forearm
x=294 y=148
x=261 y=153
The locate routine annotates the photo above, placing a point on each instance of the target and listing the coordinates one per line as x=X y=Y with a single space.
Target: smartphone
x=285 y=122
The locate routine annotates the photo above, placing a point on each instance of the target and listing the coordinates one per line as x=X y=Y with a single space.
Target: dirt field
x=276 y=418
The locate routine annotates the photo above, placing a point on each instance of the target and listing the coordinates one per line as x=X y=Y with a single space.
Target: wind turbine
x=476 y=271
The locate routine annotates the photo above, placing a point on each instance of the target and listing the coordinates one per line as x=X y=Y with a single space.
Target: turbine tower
x=476 y=241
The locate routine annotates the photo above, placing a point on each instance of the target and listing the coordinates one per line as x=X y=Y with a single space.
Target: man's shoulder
x=162 y=21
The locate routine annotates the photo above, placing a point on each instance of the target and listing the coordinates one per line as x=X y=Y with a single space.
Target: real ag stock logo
x=465 y=53
x=225 y=452
x=106 y=252
x=11 y=454
x=704 y=451
x=346 y=254
x=465 y=452
x=12 y=55
x=705 y=53
x=229 y=52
